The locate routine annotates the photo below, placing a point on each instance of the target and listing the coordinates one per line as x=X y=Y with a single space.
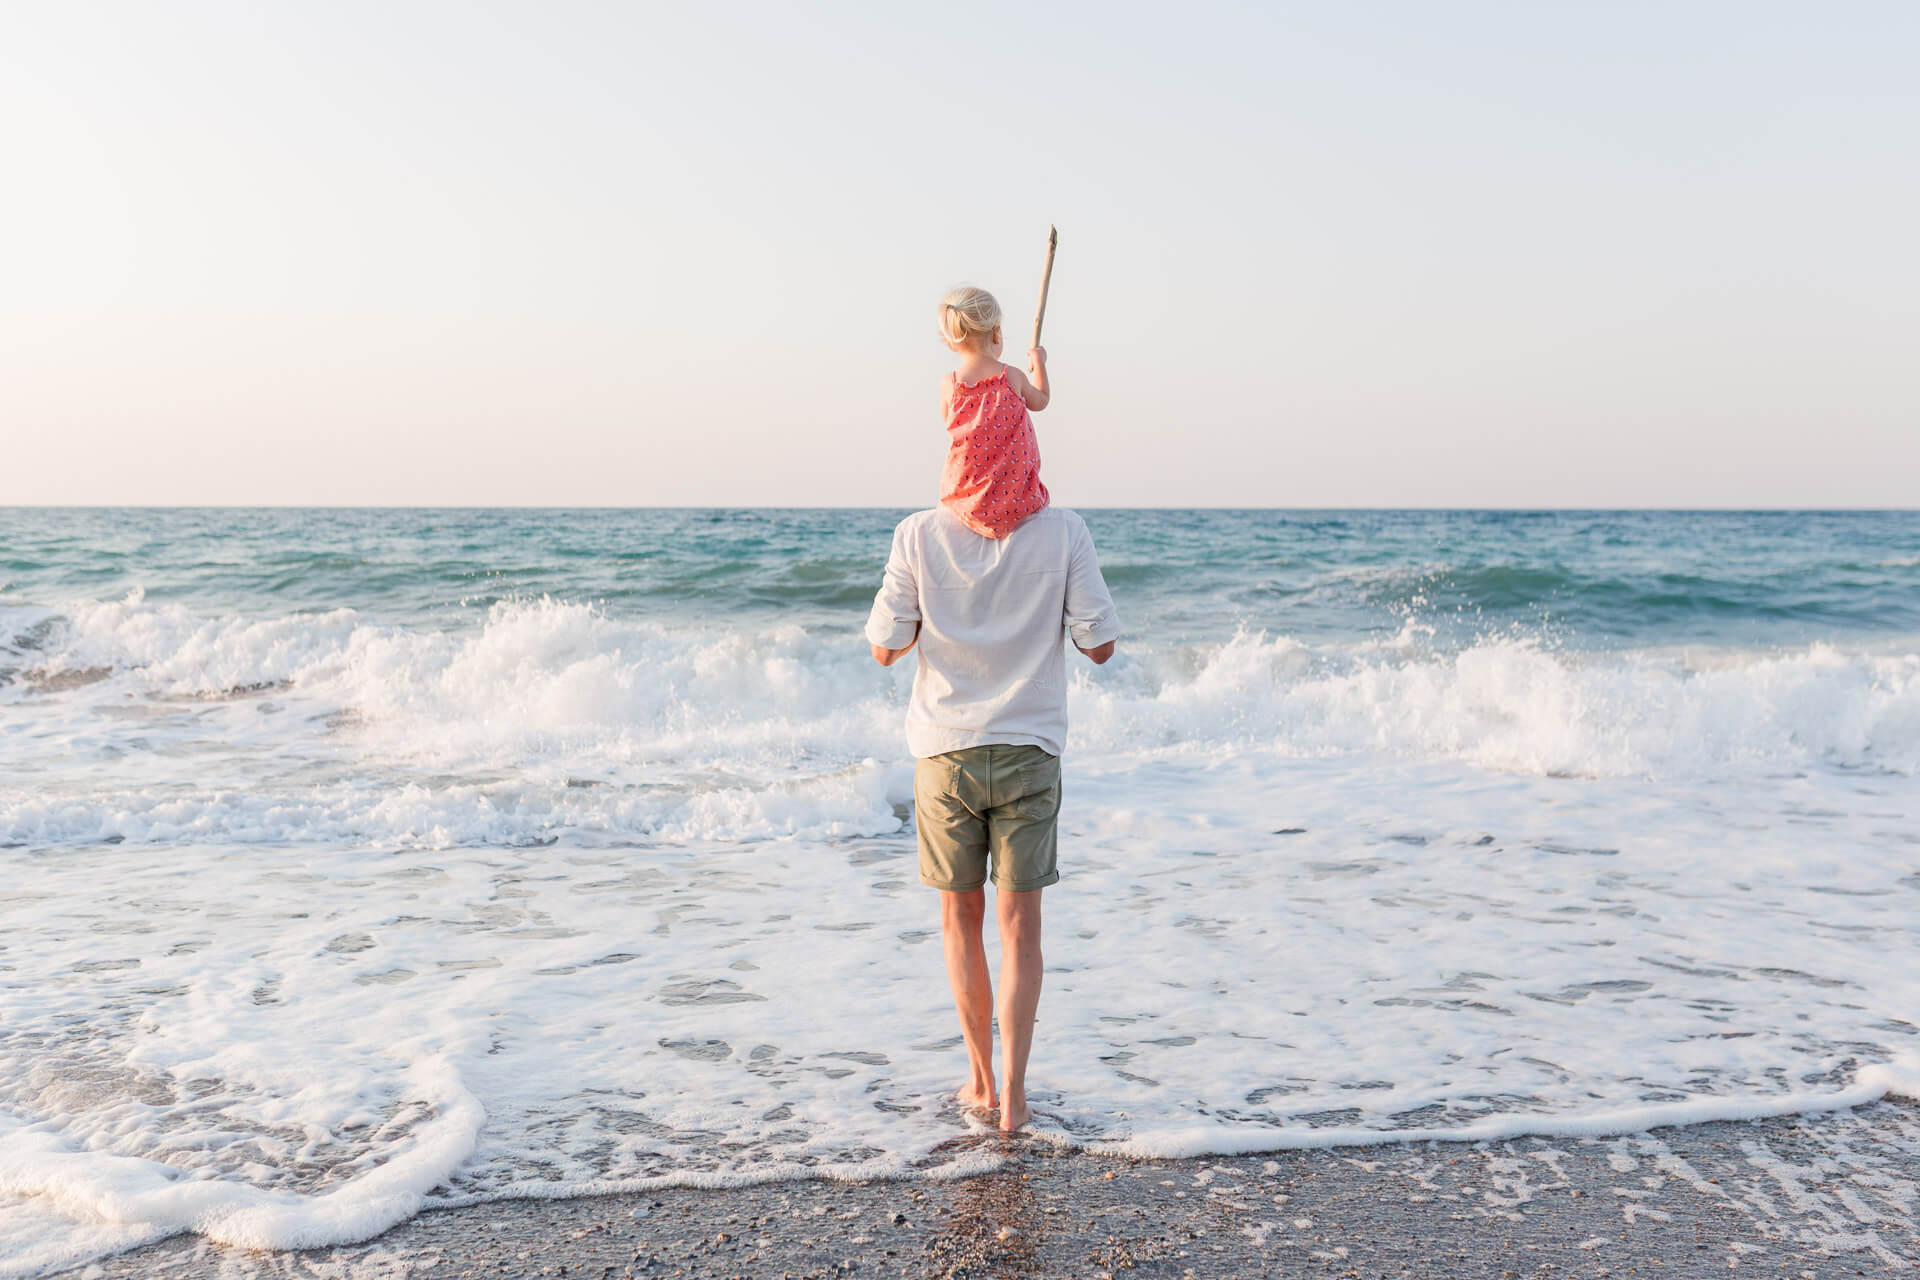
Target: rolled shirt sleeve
x=1090 y=616
x=896 y=608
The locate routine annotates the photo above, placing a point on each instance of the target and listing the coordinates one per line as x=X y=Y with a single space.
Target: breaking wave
x=548 y=716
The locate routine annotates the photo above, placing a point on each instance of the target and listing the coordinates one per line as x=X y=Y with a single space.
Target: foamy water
x=317 y=914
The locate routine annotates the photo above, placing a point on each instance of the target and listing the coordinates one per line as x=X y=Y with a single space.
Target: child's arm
x=1037 y=391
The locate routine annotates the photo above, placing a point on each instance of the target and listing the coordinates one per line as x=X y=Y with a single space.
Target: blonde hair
x=967 y=313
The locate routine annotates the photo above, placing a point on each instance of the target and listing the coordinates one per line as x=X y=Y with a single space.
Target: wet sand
x=1815 y=1196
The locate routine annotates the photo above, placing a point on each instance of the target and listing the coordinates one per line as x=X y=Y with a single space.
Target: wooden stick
x=1046 y=278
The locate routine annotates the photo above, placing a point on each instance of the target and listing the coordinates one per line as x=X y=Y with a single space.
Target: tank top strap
x=955 y=386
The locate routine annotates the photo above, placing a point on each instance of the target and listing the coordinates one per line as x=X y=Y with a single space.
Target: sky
x=1311 y=255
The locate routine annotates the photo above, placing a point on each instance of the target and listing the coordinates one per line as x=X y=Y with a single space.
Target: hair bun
x=967 y=312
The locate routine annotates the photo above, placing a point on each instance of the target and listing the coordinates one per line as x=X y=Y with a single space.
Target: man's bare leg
x=1020 y=970
x=961 y=915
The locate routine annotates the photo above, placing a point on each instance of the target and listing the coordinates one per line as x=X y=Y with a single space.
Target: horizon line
x=436 y=506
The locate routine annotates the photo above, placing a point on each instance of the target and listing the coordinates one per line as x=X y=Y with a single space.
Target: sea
x=354 y=862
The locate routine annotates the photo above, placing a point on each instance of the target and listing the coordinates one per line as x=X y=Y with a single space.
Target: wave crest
x=1518 y=704
x=554 y=714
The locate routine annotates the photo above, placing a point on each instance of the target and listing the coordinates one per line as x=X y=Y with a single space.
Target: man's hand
x=1099 y=653
x=887 y=657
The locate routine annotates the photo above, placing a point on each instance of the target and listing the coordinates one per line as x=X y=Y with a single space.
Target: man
x=987 y=724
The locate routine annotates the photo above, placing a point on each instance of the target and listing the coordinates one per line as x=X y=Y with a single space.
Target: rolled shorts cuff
x=1016 y=886
x=952 y=888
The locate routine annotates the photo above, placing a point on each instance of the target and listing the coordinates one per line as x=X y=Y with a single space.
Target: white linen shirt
x=993 y=614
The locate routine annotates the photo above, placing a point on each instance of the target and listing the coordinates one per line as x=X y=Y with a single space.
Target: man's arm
x=1091 y=619
x=893 y=626
x=887 y=657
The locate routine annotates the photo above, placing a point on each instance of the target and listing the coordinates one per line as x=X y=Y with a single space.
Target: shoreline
x=1834 y=1193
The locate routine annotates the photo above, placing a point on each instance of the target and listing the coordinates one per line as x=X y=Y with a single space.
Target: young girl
x=992 y=479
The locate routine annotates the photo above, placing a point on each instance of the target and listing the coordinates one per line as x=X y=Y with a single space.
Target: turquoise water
x=1590 y=579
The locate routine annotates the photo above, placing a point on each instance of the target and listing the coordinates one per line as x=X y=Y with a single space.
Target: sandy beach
x=1814 y=1196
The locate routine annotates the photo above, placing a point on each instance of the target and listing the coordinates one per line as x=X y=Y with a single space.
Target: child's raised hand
x=1039 y=393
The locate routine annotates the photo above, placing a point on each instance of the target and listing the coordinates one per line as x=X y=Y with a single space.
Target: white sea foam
x=313 y=920
x=543 y=684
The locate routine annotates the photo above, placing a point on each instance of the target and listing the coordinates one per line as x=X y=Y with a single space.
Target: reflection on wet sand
x=995 y=1226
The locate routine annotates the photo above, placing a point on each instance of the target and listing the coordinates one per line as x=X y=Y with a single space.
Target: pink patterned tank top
x=992 y=478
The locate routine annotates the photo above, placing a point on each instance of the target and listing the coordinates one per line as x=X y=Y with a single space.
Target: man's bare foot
x=978 y=1097
x=1015 y=1115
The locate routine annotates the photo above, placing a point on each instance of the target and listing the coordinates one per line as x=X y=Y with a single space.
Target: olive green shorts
x=999 y=802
